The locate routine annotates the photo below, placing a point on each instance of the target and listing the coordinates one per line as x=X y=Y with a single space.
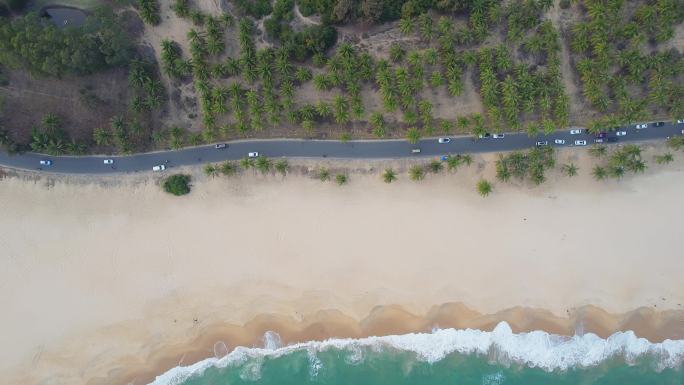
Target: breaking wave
x=536 y=349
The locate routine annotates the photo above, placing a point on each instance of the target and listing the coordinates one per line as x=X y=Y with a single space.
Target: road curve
x=300 y=148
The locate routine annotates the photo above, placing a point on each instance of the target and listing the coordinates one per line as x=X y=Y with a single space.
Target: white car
x=580 y=143
x=575 y=132
x=220 y=146
x=542 y=143
x=108 y=161
x=161 y=167
x=444 y=140
x=640 y=126
x=498 y=136
x=621 y=133
x=680 y=121
x=559 y=141
x=46 y=162
x=253 y=154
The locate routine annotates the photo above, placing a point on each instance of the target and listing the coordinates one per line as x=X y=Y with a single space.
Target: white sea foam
x=533 y=349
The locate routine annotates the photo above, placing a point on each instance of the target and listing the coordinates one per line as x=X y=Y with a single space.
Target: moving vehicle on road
x=415 y=151
x=108 y=161
x=598 y=140
x=559 y=141
x=621 y=133
x=444 y=140
x=253 y=154
x=580 y=143
x=542 y=143
x=602 y=135
x=680 y=121
x=46 y=162
x=611 y=139
x=160 y=167
x=575 y=131
x=641 y=126
x=219 y=146
x=498 y=136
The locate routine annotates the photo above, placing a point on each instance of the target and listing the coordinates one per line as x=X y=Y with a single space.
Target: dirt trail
x=578 y=111
x=304 y=19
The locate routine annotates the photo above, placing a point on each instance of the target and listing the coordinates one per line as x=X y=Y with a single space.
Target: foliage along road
x=300 y=148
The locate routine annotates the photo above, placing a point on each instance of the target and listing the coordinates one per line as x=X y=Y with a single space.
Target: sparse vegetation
x=484 y=187
x=389 y=176
x=416 y=173
x=341 y=179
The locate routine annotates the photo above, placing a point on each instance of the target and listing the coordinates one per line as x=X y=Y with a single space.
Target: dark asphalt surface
x=369 y=149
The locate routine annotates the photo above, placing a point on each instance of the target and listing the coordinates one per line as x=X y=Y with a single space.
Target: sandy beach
x=112 y=283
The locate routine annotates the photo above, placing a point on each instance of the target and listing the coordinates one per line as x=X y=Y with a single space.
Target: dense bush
x=254 y=8
x=178 y=184
x=42 y=48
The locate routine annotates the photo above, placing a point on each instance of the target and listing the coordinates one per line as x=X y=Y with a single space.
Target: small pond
x=64 y=16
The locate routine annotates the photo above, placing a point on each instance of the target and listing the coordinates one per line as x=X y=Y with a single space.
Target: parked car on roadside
x=611 y=139
x=576 y=131
x=219 y=146
x=542 y=143
x=680 y=121
x=444 y=140
x=641 y=126
x=485 y=135
x=160 y=167
x=580 y=143
x=253 y=154
x=659 y=124
x=498 y=136
x=602 y=135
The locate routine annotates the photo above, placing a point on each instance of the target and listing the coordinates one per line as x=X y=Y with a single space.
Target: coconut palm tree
x=413 y=135
x=598 y=151
x=416 y=173
x=453 y=162
x=484 y=187
x=599 y=172
x=211 y=170
x=101 y=137
x=282 y=166
x=664 y=158
x=341 y=179
x=389 y=176
x=228 y=168
x=323 y=175
x=407 y=25
x=569 y=169
x=247 y=163
x=435 y=166
x=466 y=159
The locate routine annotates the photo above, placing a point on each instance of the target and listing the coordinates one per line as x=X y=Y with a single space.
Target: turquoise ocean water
x=444 y=357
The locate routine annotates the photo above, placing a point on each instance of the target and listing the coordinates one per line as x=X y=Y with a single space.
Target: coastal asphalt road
x=301 y=148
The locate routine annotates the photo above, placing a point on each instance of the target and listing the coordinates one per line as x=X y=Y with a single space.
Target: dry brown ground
x=27 y=98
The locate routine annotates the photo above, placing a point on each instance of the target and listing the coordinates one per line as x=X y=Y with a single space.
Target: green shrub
x=178 y=184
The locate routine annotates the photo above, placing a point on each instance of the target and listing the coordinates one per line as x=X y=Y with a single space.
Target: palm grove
x=511 y=51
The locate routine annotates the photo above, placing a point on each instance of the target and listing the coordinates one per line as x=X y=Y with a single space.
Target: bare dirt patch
x=82 y=103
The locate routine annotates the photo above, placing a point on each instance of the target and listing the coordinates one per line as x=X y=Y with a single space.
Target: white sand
x=91 y=275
